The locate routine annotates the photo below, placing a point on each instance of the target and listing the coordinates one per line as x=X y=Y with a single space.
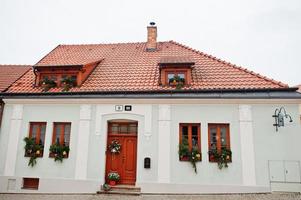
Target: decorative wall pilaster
x=164 y=124
x=247 y=145
x=83 y=142
x=13 y=140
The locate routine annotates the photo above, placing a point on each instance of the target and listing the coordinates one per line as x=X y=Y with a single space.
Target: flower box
x=52 y=155
x=38 y=154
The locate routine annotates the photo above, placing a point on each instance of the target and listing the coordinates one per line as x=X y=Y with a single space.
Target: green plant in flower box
x=193 y=155
x=184 y=150
x=222 y=157
x=32 y=150
x=113 y=176
x=47 y=84
x=177 y=81
x=67 y=83
x=59 y=151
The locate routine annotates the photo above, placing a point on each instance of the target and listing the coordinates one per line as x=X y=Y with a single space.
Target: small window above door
x=123 y=128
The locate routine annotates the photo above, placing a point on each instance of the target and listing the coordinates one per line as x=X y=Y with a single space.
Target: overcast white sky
x=261 y=35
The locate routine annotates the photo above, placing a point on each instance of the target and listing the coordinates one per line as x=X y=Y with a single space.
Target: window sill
x=187 y=159
x=212 y=160
x=29 y=188
x=29 y=155
x=51 y=155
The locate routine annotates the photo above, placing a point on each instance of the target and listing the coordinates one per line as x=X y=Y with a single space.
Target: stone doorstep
x=122 y=190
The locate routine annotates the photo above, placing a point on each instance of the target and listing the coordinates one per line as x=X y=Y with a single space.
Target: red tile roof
x=128 y=67
x=10 y=73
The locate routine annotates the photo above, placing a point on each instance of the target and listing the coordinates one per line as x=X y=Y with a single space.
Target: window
x=219 y=138
x=122 y=128
x=170 y=77
x=190 y=138
x=58 y=78
x=37 y=132
x=30 y=183
x=61 y=133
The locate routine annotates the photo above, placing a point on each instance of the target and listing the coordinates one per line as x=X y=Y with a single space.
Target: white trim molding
x=247 y=145
x=13 y=140
x=83 y=142
x=164 y=123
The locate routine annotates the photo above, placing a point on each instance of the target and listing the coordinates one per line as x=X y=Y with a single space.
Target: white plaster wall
x=46 y=167
x=208 y=173
x=283 y=145
x=268 y=144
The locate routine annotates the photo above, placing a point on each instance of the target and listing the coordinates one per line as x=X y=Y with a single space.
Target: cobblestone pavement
x=274 y=196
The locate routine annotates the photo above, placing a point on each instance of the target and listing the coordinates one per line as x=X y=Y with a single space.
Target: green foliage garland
x=177 y=81
x=222 y=158
x=115 y=147
x=32 y=150
x=68 y=83
x=193 y=156
x=59 y=151
x=47 y=84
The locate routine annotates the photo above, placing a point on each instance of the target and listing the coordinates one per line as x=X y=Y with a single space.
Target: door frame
x=120 y=121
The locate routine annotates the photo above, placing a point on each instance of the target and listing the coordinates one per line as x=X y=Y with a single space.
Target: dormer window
x=174 y=77
x=175 y=71
x=64 y=77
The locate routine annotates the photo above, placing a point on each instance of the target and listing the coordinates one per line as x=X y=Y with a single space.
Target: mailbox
x=147 y=163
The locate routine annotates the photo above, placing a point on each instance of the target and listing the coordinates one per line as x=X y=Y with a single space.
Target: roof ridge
x=16 y=65
x=230 y=64
x=117 y=43
x=47 y=54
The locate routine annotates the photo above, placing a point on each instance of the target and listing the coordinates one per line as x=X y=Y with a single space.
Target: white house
x=166 y=105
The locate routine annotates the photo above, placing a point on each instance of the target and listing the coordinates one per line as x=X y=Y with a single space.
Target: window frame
x=119 y=133
x=59 y=76
x=190 y=125
x=38 y=135
x=165 y=70
x=175 y=72
x=31 y=183
x=62 y=133
x=218 y=127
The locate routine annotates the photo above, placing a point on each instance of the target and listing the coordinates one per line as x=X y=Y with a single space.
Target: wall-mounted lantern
x=279 y=115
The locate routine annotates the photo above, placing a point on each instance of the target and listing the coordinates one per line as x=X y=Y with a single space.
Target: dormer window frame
x=58 y=77
x=176 y=70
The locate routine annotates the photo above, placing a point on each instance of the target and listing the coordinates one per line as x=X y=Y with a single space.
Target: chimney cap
x=152 y=23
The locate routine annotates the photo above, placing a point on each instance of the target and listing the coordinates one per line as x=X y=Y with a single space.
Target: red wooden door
x=124 y=162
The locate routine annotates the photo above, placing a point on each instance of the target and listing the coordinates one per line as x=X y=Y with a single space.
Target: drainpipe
x=35 y=75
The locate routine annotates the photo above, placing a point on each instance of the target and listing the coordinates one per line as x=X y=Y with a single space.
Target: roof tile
x=128 y=67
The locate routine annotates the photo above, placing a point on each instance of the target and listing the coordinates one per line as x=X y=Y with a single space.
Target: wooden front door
x=124 y=162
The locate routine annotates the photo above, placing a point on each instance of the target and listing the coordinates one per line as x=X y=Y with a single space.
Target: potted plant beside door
x=113 y=177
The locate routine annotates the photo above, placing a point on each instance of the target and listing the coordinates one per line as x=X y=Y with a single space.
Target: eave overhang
x=282 y=93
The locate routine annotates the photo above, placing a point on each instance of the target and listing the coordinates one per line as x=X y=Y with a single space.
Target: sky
x=262 y=36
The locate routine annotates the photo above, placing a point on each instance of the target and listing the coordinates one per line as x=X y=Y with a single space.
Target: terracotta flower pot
x=112 y=183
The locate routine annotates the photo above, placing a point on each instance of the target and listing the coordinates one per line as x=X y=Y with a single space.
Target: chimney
x=151 y=44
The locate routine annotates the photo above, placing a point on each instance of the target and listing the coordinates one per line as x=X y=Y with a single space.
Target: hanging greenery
x=32 y=150
x=177 y=81
x=67 y=83
x=185 y=154
x=115 y=147
x=59 y=152
x=222 y=158
x=47 y=84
